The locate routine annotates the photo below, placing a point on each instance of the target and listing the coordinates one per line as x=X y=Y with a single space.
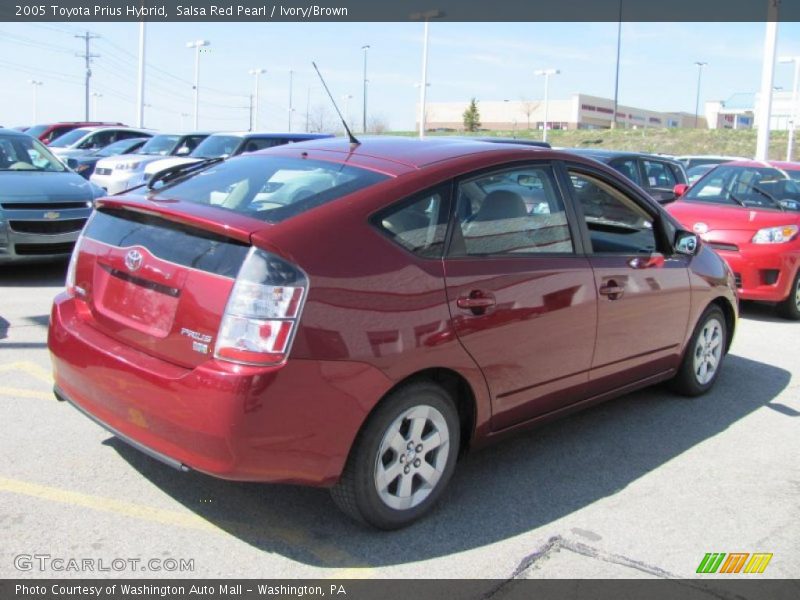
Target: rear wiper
x=172 y=173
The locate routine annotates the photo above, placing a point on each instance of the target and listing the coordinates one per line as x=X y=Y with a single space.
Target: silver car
x=43 y=204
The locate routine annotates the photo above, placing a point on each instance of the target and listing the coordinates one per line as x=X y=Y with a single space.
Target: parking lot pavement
x=642 y=486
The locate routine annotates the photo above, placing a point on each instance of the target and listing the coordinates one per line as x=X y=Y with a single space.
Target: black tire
x=790 y=308
x=356 y=492
x=688 y=381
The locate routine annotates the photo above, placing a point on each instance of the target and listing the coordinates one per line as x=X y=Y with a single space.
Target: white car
x=84 y=140
x=119 y=173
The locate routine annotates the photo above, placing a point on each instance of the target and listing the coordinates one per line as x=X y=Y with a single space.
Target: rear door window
x=658 y=174
x=512 y=212
x=419 y=223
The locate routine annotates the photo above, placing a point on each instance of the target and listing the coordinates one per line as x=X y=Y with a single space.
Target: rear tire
x=402 y=459
x=702 y=359
x=790 y=308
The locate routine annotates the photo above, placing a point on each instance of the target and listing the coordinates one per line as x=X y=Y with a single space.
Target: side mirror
x=686 y=243
x=72 y=163
x=680 y=189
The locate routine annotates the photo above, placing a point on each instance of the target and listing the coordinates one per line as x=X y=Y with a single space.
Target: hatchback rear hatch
x=156 y=282
x=157 y=273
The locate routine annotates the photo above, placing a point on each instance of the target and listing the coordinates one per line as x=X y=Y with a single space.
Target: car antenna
x=353 y=141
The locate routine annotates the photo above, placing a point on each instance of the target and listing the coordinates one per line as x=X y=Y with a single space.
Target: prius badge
x=133 y=260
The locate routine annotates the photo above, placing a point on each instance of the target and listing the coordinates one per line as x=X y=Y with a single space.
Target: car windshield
x=160 y=145
x=36 y=130
x=23 y=153
x=750 y=187
x=271 y=188
x=69 y=138
x=116 y=148
x=216 y=146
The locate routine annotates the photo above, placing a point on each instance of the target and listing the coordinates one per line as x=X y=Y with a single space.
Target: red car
x=47 y=132
x=749 y=212
x=359 y=316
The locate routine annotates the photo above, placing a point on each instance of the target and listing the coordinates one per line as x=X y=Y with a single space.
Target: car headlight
x=130 y=166
x=775 y=235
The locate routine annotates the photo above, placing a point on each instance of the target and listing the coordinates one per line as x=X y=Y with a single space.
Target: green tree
x=472 y=117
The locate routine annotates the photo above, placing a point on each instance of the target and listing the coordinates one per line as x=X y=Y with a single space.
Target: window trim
x=555 y=167
x=648 y=205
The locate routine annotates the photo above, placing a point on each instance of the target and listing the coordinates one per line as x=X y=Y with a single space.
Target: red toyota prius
x=749 y=212
x=358 y=316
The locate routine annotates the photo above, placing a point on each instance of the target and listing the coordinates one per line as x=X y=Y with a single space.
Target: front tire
x=402 y=459
x=702 y=360
x=790 y=308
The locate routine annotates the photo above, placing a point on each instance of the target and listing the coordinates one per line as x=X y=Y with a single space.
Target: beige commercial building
x=580 y=111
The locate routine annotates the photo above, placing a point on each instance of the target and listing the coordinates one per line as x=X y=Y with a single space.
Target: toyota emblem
x=133 y=260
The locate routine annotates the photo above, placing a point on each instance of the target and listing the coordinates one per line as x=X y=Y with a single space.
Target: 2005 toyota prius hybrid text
x=358 y=316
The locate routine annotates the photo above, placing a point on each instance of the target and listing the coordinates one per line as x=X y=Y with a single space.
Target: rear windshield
x=270 y=188
x=69 y=138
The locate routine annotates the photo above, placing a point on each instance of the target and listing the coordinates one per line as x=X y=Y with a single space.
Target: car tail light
x=263 y=310
x=70 y=285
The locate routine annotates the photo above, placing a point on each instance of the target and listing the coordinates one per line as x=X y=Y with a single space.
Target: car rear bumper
x=293 y=423
x=117 y=182
x=761 y=272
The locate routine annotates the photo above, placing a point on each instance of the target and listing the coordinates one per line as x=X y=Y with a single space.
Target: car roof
x=12 y=133
x=603 y=154
x=410 y=152
x=775 y=164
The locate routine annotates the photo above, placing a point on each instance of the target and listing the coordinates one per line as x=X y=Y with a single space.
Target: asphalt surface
x=642 y=486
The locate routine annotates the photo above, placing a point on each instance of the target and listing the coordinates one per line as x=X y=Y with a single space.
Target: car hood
x=109 y=162
x=27 y=186
x=166 y=163
x=728 y=218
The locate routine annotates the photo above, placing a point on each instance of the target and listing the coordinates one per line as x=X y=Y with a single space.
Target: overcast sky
x=491 y=61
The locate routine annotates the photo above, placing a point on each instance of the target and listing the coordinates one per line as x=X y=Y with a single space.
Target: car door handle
x=476 y=301
x=612 y=290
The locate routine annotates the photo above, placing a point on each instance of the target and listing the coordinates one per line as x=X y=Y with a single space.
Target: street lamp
x=364 y=113
x=291 y=109
x=95 y=96
x=197 y=44
x=426 y=17
x=35 y=85
x=546 y=73
x=700 y=66
x=793 y=122
x=256 y=73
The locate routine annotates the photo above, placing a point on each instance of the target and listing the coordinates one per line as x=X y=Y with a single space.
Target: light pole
x=291 y=109
x=546 y=73
x=95 y=96
x=197 y=44
x=764 y=115
x=793 y=121
x=700 y=66
x=256 y=73
x=365 y=48
x=426 y=17
x=616 y=75
x=35 y=85
x=140 y=105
